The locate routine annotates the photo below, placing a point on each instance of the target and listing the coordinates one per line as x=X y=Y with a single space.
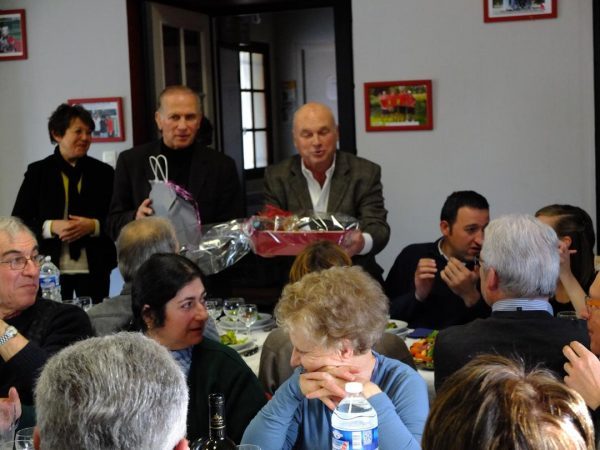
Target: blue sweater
x=289 y=417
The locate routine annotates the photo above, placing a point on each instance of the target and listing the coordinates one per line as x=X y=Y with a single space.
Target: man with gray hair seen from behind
x=519 y=269
x=116 y=392
x=137 y=242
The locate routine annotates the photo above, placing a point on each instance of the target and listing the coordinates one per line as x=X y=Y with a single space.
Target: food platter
x=396 y=326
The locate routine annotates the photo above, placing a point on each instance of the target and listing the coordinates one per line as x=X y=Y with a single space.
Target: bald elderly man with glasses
x=31 y=328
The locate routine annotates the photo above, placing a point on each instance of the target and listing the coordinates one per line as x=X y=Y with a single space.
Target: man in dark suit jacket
x=519 y=271
x=210 y=176
x=323 y=179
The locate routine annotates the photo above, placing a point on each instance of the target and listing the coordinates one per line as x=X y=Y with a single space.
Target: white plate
x=264 y=318
x=228 y=325
x=401 y=326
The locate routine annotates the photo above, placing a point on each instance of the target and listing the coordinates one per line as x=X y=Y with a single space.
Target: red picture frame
x=107 y=114
x=13 y=34
x=398 y=105
x=510 y=10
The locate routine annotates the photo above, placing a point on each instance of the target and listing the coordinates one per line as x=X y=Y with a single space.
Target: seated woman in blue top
x=334 y=317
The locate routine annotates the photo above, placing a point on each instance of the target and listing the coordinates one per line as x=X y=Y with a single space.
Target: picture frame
x=107 y=114
x=398 y=105
x=13 y=34
x=509 y=10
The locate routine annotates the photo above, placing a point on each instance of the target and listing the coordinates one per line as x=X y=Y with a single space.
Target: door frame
x=142 y=109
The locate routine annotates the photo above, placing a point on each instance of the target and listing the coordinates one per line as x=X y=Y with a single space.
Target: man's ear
x=182 y=445
x=36 y=438
x=445 y=228
x=492 y=281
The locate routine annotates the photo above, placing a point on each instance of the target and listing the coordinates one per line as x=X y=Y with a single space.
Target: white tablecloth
x=253 y=361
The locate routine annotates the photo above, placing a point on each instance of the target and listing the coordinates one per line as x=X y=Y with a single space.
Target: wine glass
x=24 y=439
x=231 y=307
x=85 y=303
x=248 y=314
x=214 y=306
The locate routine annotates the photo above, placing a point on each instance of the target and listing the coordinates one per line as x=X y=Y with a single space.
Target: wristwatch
x=10 y=333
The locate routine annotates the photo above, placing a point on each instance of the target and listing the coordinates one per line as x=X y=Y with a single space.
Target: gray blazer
x=356 y=190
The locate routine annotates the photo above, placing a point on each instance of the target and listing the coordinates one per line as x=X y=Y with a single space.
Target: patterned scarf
x=184 y=359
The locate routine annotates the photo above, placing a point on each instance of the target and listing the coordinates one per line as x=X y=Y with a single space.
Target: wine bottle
x=217 y=438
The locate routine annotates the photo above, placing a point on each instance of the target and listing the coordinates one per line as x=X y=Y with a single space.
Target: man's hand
x=144 y=210
x=75 y=228
x=462 y=281
x=10 y=407
x=353 y=242
x=424 y=278
x=583 y=373
x=327 y=384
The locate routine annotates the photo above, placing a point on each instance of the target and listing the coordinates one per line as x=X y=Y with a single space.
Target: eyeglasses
x=19 y=262
x=592 y=304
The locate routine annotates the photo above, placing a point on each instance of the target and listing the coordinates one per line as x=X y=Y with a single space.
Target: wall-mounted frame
x=509 y=10
x=398 y=105
x=13 y=34
x=107 y=114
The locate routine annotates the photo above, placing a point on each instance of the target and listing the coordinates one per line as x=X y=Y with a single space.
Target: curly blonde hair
x=336 y=304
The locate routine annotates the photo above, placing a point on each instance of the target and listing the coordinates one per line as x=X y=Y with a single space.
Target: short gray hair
x=122 y=391
x=141 y=239
x=11 y=226
x=524 y=253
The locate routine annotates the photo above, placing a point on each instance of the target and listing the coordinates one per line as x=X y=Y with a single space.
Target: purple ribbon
x=184 y=194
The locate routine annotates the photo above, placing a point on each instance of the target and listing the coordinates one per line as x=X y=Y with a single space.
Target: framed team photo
x=398 y=105
x=13 y=34
x=508 y=10
x=107 y=114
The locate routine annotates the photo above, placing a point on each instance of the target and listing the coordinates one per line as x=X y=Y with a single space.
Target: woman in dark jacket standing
x=64 y=199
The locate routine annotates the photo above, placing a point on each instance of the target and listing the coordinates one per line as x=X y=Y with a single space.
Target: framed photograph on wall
x=107 y=114
x=508 y=10
x=13 y=34
x=398 y=105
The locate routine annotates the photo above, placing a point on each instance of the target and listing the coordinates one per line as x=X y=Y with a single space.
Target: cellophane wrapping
x=275 y=232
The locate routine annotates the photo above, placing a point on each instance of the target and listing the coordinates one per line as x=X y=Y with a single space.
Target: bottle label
x=355 y=440
x=49 y=282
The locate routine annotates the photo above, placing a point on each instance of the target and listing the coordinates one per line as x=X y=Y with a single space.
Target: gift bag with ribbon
x=175 y=203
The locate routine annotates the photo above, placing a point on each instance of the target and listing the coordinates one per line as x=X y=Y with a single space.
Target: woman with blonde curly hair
x=334 y=317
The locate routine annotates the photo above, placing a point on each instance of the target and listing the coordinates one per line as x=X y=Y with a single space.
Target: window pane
x=193 y=60
x=245 y=82
x=171 y=55
x=260 y=113
x=248 y=143
x=247 y=110
x=261 y=148
x=258 y=77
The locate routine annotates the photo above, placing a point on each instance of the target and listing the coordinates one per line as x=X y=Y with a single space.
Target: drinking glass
x=214 y=306
x=72 y=301
x=247 y=447
x=231 y=307
x=85 y=303
x=248 y=314
x=24 y=439
x=8 y=420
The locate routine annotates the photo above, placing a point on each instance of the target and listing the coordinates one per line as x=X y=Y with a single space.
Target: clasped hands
x=327 y=384
x=460 y=280
x=75 y=227
x=583 y=373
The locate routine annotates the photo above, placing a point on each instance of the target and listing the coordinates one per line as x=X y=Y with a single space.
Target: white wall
x=513 y=102
x=77 y=49
x=513 y=109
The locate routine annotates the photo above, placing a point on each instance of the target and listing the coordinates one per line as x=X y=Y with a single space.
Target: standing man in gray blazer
x=323 y=179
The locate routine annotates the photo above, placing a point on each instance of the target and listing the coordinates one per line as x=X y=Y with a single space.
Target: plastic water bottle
x=50 y=280
x=354 y=422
